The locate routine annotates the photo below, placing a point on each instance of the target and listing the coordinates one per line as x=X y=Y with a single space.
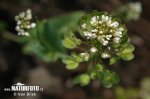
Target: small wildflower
x=105 y=55
x=94 y=20
x=115 y=24
x=93 y=49
x=83 y=25
x=105 y=43
x=104 y=31
x=116 y=39
x=85 y=56
x=24 y=23
x=95 y=30
x=104 y=28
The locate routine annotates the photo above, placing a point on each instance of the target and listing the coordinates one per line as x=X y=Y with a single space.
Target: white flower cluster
x=104 y=28
x=24 y=23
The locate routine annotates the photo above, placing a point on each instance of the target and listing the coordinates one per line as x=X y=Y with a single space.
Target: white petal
x=33 y=25
x=93 y=49
x=115 y=24
x=83 y=25
x=105 y=55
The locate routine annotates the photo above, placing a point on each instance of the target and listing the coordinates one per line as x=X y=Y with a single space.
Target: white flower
x=108 y=36
x=104 y=18
x=26 y=33
x=105 y=43
x=118 y=33
x=17 y=28
x=116 y=39
x=94 y=20
x=94 y=30
x=23 y=23
x=33 y=25
x=105 y=55
x=104 y=28
x=85 y=56
x=101 y=38
x=100 y=32
x=115 y=24
x=109 y=22
x=22 y=15
x=89 y=35
x=93 y=49
x=121 y=29
x=83 y=25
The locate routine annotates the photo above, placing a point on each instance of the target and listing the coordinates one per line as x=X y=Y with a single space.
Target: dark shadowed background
x=54 y=78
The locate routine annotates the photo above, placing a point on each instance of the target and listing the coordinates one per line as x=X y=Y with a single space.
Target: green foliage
x=127 y=52
x=70 y=62
x=107 y=77
x=113 y=60
x=71 y=42
x=114 y=47
x=83 y=79
x=45 y=40
x=110 y=78
x=103 y=37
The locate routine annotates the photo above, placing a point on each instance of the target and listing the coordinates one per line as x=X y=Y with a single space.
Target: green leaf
x=100 y=67
x=52 y=37
x=124 y=39
x=68 y=43
x=113 y=60
x=68 y=22
x=115 y=78
x=127 y=56
x=130 y=48
x=126 y=53
x=84 y=79
x=100 y=71
x=93 y=74
x=33 y=47
x=76 y=80
x=109 y=79
x=70 y=63
x=77 y=58
x=49 y=36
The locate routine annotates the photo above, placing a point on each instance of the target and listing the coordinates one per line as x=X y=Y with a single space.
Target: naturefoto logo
x=21 y=89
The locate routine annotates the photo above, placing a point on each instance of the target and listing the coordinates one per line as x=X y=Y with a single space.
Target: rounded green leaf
x=68 y=43
x=100 y=67
x=93 y=74
x=130 y=48
x=113 y=60
x=77 y=58
x=84 y=79
x=72 y=65
x=127 y=56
